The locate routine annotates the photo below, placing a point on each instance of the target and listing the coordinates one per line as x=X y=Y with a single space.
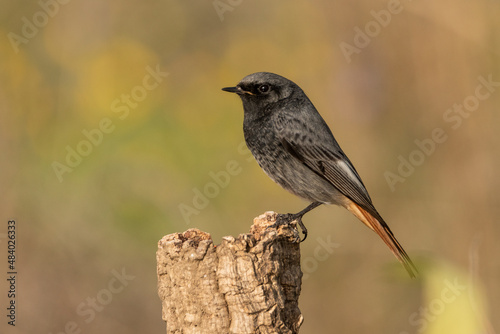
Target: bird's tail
x=383 y=230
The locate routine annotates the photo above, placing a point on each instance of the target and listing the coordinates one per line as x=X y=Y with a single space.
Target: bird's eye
x=263 y=88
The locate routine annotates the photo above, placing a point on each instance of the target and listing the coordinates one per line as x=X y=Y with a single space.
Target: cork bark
x=248 y=284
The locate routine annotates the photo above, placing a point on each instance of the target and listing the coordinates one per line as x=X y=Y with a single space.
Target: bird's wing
x=306 y=136
x=314 y=145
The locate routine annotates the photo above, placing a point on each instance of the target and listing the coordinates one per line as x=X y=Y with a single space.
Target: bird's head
x=261 y=89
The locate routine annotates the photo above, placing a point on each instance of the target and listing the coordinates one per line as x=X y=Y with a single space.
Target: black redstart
x=296 y=149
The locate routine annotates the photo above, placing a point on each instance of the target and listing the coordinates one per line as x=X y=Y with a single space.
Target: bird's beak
x=236 y=90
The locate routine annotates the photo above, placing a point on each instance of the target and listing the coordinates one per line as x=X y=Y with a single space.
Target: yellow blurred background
x=113 y=123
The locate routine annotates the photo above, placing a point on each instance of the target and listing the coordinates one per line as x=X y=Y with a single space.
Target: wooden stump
x=249 y=284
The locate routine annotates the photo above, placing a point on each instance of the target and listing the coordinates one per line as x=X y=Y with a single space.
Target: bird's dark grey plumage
x=295 y=147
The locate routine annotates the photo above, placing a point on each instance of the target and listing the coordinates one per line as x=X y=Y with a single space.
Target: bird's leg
x=283 y=219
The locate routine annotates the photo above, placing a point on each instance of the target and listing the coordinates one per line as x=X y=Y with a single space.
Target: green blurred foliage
x=87 y=62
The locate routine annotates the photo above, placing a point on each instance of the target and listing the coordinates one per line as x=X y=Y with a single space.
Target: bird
x=294 y=146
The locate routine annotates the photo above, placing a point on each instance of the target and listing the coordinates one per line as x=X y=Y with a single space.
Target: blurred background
x=114 y=132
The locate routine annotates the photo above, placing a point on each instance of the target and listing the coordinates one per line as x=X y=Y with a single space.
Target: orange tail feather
x=381 y=228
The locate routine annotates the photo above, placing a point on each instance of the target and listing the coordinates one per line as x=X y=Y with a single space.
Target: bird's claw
x=303 y=228
x=285 y=219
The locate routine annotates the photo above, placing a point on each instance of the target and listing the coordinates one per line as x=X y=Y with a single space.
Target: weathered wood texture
x=249 y=284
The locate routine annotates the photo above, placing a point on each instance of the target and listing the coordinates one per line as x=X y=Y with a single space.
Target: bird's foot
x=285 y=219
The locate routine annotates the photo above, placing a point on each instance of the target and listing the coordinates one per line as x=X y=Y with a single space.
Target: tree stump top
x=248 y=284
